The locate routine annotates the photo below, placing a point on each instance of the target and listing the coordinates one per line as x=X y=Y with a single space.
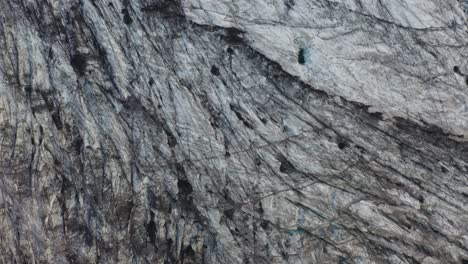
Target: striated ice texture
x=234 y=131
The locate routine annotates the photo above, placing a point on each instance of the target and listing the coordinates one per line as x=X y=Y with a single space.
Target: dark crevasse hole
x=464 y=261
x=301 y=56
x=78 y=144
x=258 y=161
x=377 y=115
x=187 y=253
x=86 y=232
x=239 y=116
x=214 y=70
x=289 y=4
x=168 y=7
x=170 y=260
x=421 y=199
x=51 y=54
x=151 y=229
x=102 y=54
x=343 y=144
x=456 y=69
x=444 y=170
x=28 y=89
x=408 y=226
x=57 y=119
x=151 y=81
x=260 y=209
x=72 y=257
x=131 y=103
x=229 y=213
x=343 y=260
x=286 y=167
x=78 y=62
x=127 y=18
x=171 y=140
x=169 y=243
x=247 y=124
x=185 y=188
x=230 y=50
x=235 y=109
x=180 y=169
x=233 y=35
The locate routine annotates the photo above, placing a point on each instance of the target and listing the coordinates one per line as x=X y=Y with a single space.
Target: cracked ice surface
x=397 y=56
x=166 y=131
